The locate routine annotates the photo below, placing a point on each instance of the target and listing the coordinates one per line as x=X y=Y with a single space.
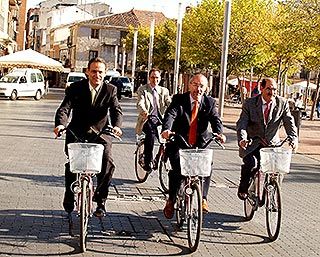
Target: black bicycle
x=159 y=163
x=264 y=189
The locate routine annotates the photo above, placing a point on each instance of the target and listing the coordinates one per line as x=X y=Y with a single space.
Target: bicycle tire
x=250 y=203
x=141 y=174
x=194 y=219
x=164 y=169
x=273 y=209
x=84 y=213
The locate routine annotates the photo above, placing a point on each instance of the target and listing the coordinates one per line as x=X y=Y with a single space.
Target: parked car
x=23 y=83
x=74 y=77
x=124 y=86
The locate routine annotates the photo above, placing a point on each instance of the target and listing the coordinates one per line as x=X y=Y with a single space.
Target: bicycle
x=85 y=160
x=195 y=164
x=274 y=163
x=160 y=162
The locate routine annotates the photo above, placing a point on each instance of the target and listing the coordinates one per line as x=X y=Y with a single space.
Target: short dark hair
x=154 y=70
x=96 y=59
x=263 y=83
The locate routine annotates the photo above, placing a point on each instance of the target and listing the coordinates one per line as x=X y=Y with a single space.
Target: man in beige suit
x=151 y=104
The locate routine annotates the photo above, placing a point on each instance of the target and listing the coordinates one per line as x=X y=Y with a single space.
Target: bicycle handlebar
x=106 y=131
x=184 y=144
x=265 y=144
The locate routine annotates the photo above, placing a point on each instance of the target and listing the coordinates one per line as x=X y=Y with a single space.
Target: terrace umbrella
x=30 y=59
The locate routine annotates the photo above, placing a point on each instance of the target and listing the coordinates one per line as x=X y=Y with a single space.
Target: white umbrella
x=30 y=59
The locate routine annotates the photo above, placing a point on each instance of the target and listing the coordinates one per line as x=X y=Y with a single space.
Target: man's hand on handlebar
x=222 y=138
x=244 y=143
x=166 y=134
x=117 y=131
x=59 y=130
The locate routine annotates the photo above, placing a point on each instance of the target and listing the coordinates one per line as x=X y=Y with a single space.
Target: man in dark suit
x=180 y=118
x=262 y=116
x=90 y=101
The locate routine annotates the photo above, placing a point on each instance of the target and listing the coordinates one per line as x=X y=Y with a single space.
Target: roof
x=134 y=18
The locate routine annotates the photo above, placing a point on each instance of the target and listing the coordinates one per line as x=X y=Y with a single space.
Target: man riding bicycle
x=90 y=100
x=262 y=117
x=189 y=115
x=152 y=102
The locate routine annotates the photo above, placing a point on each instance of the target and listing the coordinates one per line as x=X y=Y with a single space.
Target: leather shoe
x=168 y=210
x=205 y=206
x=242 y=195
x=100 y=211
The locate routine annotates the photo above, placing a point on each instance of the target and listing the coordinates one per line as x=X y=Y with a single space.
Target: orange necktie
x=193 y=124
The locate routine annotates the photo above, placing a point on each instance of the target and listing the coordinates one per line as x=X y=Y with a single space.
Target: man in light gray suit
x=262 y=116
x=152 y=100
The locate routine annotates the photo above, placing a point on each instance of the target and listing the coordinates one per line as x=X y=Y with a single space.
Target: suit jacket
x=85 y=114
x=145 y=103
x=178 y=116
x=251 y=122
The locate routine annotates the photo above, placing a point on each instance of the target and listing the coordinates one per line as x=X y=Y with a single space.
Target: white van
x=74 y=77
x=23 y=82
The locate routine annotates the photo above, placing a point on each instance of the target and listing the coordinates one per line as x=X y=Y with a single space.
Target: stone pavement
x=32 y=222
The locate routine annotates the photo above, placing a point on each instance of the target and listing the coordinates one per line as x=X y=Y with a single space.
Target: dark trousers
x=250 y=161
x=103 y=180
x=151 y=134
x=175 y=177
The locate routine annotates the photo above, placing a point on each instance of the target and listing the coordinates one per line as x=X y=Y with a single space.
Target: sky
x=170 y=8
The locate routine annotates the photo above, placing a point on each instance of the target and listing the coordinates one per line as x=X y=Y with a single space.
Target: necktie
x=93 y=95
x=155 y=102
x=266 y=112
x=194 y=124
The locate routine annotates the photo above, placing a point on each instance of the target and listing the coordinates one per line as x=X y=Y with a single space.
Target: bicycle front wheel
x=164 y=169
x=84 y=213
x=273 y=209
x=141 y=174
x=194 y=217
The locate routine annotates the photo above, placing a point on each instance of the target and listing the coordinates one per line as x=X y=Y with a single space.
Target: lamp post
x=224 y=55
x=177 y=55
x=151 y=44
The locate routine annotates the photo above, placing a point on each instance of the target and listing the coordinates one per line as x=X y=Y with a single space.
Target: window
x=40 y=78
x=93 y=54
x=33 y=78
x=94 y=33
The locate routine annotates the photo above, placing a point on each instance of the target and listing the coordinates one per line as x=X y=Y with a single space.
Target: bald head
x=198 y=86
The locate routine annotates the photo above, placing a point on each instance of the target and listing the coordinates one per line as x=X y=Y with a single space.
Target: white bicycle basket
x=275 y=160
x=196 y=162
x=85 y=157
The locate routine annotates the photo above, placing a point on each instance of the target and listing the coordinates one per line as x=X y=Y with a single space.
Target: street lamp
x=224 y=55
x=177 y=55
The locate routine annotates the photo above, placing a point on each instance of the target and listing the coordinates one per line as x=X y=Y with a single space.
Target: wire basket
x=196 y=162
x=275 y=160
x=85 y=157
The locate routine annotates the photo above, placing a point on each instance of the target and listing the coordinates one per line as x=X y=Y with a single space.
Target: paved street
x=32 y=222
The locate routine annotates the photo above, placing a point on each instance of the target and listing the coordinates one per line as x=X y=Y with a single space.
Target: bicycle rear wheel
x=141 y=174
x=250 y=203
x=273 y=209
x=84 y=213
x=194 y=217
x=164 y=169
